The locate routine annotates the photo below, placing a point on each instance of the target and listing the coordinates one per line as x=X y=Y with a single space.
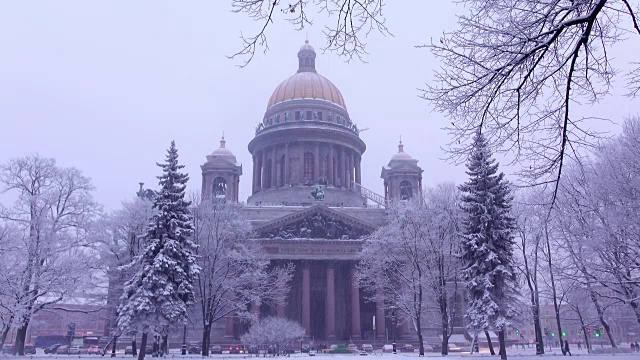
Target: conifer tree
x=487 y=245
x=161 y=288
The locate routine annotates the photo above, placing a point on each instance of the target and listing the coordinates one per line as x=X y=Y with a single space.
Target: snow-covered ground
x=515 y=354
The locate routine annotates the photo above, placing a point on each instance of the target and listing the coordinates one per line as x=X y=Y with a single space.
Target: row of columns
x=330 y=308
x=340 y=165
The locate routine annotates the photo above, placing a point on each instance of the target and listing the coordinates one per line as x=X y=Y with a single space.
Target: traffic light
x=597 y=333
x=564 y=334
x=517 y=332
x=588 y=331
x=553 y=334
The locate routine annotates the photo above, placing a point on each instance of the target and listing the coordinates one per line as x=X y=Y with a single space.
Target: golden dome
x=306 y=85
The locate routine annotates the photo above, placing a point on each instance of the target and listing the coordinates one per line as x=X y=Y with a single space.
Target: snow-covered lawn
x=513 y=354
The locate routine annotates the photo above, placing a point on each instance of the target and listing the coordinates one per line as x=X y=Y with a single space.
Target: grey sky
x=106 y=85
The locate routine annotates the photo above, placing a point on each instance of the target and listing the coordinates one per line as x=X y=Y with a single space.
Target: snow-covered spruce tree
x=487 y=245
x=161 y=289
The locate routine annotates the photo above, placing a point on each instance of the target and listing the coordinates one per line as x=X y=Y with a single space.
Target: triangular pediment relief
x=316 y=222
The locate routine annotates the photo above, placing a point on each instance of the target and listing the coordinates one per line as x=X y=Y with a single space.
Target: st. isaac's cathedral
x=308 y=208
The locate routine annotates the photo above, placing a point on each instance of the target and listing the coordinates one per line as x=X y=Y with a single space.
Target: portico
x=326 y=302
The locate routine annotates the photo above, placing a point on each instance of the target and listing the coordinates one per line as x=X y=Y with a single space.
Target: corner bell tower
x=221 y=175
x=402 y=177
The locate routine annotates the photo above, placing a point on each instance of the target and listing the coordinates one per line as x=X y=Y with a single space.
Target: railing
x=375 y=197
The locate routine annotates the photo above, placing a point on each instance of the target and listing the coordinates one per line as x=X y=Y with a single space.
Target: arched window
x=308 y=167
x=406 y=191
x=219 y=188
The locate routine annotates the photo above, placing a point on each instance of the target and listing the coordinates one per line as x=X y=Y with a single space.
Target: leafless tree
x=119 y=238
x=516 y=69
x=352 y=21
x=411 y=264
x=576 y=231
x=529 y=219
x=235 y=271
x=54 y=211
x=599 y=203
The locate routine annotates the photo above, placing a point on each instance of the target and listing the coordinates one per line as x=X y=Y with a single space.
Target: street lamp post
x=184 y=340
x=394 y=325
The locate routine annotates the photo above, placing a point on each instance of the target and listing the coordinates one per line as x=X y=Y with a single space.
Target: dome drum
x=305 y=110
x=307 y=131
x=305 y=163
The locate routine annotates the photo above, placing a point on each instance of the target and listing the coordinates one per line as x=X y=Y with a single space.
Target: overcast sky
x=104 y=86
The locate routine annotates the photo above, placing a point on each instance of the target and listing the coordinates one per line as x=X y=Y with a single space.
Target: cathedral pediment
x=316 y=222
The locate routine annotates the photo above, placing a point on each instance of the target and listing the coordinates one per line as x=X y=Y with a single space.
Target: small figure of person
x=633 y=347
x=566 y=348
x=579 y=345
x=637 y=348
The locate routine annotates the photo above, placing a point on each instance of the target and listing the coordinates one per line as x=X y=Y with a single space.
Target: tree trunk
x=607 y=328
x=584 y=331
x=143 y=346
x=417 y=303
x=165 y=345
x=538 y=330
x=21 y=336
x=5 y=332
x=445 y=321
x=553 y=289
x=156 y=346
x=134 y=351
x=486 y=333
x=503 y=346
x=205 y=339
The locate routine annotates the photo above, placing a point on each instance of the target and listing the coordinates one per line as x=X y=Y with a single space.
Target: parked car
x=454 y=348
x=62 y=349
x=367 y=348
x=7 y=349
x=30 y=349
x=406 y=348
x=305 y=348
x=427 y=347
x=351 y=348
x=194 y=348
x=333 y=347
x=128 y=350
x=235 y=349
x=52 y=349
x=93 y=350
x=387 y=348
x=77 y=350
x=215 y=349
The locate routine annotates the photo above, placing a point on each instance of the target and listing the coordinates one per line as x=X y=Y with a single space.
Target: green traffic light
x=553 y=334
x=564 y=333
x=597 y=334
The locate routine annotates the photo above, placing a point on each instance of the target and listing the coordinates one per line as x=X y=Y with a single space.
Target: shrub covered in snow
x=276 y=336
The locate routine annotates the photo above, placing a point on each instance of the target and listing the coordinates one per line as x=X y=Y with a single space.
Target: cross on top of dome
x=306 y=58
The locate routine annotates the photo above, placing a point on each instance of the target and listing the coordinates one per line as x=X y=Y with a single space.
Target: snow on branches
x=410 y=264
x=513 y=68
x=487 y=245
x=160 y=291
x=276 y=335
